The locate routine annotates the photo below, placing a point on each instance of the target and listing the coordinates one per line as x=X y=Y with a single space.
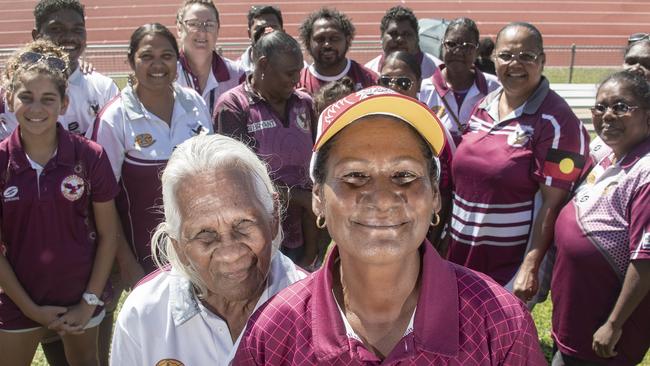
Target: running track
x=593 y=23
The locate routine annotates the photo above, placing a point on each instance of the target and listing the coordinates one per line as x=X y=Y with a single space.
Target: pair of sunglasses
x=526 y=57
x=401 y=82
x=32 y=58
x=636 y=37
x=619 y=109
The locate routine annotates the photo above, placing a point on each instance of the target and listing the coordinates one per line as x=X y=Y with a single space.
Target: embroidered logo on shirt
x=10 y=194
x=198 y=130
x=94 y=107
x=72 y=187
x=261 y=125
x=520 y=136
x=169 y=362
x=73 y=127
x=301 y=121
x=144 y=140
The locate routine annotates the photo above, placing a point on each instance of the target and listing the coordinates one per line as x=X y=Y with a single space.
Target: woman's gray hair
x=198 y=155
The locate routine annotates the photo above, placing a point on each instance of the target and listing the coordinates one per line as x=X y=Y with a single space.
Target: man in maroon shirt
x=327 y=35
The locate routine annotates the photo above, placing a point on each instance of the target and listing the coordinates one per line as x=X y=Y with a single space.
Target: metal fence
x=111 y=59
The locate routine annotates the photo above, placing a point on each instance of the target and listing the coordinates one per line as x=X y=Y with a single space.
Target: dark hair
x=187 y=3
x=150 y=29
x=332 y=92
x=637 y=83
x=15 y=68
x=273 y=43
x=45 y=8
x=485 y=47
x=629 y=47
x=537 y=35
x=257 y=11
x=398 y=14
x=320 y=171
x=408 y=59
x=340 y=20
x=467 y=25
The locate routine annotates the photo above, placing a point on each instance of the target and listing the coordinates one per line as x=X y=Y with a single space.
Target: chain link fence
x=111 y=59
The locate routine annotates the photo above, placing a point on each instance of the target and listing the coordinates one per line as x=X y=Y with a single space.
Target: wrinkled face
x=263 y=21
x=199 y=29
x=400 y=36
x=328 y=44
x=281 y=74
x=378 y=198
x=226 y=233
x=464 y=53
x=37 y=104
x=518 y=78
x=621 y=133
x=65 y=28
x=154 y=63
x=637 y=59
x=397 y=70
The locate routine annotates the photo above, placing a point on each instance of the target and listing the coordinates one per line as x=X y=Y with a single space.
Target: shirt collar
x=312 y=70
x=532 y=104
x=637 y=153
x=135 y=109
x=76 y=77
x=183 y=302
x=65 y=150
x=219 y=67
x=436 y=318
x=254 y=97
x=441 y=85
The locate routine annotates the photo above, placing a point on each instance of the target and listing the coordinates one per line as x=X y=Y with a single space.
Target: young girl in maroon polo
x=58 y=221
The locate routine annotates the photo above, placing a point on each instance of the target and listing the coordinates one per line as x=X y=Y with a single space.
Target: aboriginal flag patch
x=563 y=165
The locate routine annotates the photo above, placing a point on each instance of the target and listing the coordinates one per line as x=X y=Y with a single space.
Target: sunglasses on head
x=636 y=37
x=32 y=58
x=619 y=109
x=401 y=82
x=527 y=57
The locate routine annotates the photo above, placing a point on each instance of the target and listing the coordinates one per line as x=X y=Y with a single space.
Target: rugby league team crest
x=72 y=187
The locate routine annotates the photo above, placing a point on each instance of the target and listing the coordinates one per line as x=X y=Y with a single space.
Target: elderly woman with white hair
x=218 y=259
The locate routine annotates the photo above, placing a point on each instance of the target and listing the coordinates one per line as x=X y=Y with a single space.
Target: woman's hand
x=605 y=339
x=86 y=67
x=46 y=315
x=74 y=321
x=526 y=283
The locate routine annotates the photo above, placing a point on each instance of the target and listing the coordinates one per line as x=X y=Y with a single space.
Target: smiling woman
x=166 y=115
x=384 y=295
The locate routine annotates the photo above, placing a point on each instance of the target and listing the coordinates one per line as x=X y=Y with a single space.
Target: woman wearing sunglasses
x=199 y=65
x=401 y=72
x=58 y=222
x=457 y=85
x=601 y=277
x=521 y=155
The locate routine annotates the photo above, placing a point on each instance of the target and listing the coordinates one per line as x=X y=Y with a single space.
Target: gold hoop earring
x=437 y=218
x=319 y=224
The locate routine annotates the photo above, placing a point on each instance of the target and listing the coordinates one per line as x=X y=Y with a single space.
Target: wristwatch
x=92 y=299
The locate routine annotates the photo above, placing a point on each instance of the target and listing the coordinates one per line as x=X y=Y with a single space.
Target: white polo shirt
x=428 y=64
x=128 y=131
x=162 y=320
x=88 y=94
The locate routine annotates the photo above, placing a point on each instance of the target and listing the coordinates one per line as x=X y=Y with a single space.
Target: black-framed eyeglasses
x=463 y=46
x=619 y=109
x=526 y=57
x=636 y=37
x=195 y=25
x=30 y=58
x=401 y=82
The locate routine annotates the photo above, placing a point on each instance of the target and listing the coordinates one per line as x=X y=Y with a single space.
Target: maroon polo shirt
x=47 y=222
x=284 y=144
x=462 y=318
x=360 y=75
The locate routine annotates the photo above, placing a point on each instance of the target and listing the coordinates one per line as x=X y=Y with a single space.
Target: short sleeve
x=560 y=150
x=639 y=229
x=230 y=118
x=102 y=181
x=106 y=132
